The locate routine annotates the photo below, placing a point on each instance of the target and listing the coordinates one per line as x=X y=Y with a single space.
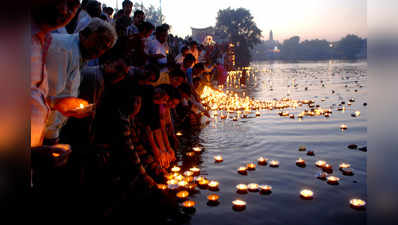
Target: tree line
x=238 y=27
x=348 y=47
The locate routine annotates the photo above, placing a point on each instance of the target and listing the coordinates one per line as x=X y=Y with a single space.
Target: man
x=158 y=50
x=46 y=17
x=138 y=18
x=67 y=54
x=193 y=72
x=188 y=62
x=136 y=43
x=180 y=57
x=93 y=10
x=194 y=50
x=177 y=77
x=80 y=132
x=109 y=12
x=127 y=7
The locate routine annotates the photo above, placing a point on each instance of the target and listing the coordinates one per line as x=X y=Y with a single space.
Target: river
x=327 y=83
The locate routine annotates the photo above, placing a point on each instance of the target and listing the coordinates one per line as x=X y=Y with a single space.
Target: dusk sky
x=309 y=19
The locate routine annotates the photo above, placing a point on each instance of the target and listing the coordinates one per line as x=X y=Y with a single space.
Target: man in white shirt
x=158 y=51
x=67 y=54
x=138 y=18
x=46 y=17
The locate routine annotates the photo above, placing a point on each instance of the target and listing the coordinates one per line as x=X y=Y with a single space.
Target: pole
x=160 y=8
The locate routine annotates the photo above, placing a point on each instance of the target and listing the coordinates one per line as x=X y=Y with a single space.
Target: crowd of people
x=142 y=82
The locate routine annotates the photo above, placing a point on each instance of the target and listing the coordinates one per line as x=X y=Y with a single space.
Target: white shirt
x=38 y=91
x=63 y=65
x=155 y=47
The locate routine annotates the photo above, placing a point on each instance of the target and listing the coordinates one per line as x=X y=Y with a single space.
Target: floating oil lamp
x=310 y=153
x=322 y=176
x=203 y=183
x=356 y=113
x=274 y=163
x=344 y=165
x=189 y=179
x=291 y=116
x=235 y=118
x=320 y=163
x=213 y=185
x=257 y=113
x=333 y=180
x=169 y=176
x=239 y=204
x=195 y=170
x=302 y=148
x=172 y=185
x=357 y=203
x=213 y=198
x=178 y=177
x=306 y=194
x=182 y=195
x=343 y=127
x=162 y=187
x=179 y=133
x=218 y=158
x=175 y=169
x=347 y=172
x=182 y=183
x=190 y=154
x=265 y=189
x=262 y=161
x=300 y=162
x=327 y=168
x=197 y=149
x=251 y=166
x=252 y=187
x=188 y=205
x=200 y=178
x=188 y=173
x=241 y=188
x=242 y=170
x=191 y=187
x=172 y=181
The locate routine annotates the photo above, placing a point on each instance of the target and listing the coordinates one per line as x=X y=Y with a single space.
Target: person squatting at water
x=141 y=91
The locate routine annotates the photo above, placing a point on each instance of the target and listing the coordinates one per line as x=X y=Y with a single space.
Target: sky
x=309 y=19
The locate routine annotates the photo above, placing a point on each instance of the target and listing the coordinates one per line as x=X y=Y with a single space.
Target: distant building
x=268 y=49
x=271 y=36
x=199 y=34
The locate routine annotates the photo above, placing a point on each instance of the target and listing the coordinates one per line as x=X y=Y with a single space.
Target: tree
x=152 y=14
x=291 y=48
x=351 y=47
x=237 y=26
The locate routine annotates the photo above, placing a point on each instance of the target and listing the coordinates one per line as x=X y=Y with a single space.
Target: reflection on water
x=337 y=85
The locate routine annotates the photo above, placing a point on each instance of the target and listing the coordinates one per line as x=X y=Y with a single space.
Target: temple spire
x=271 y=36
